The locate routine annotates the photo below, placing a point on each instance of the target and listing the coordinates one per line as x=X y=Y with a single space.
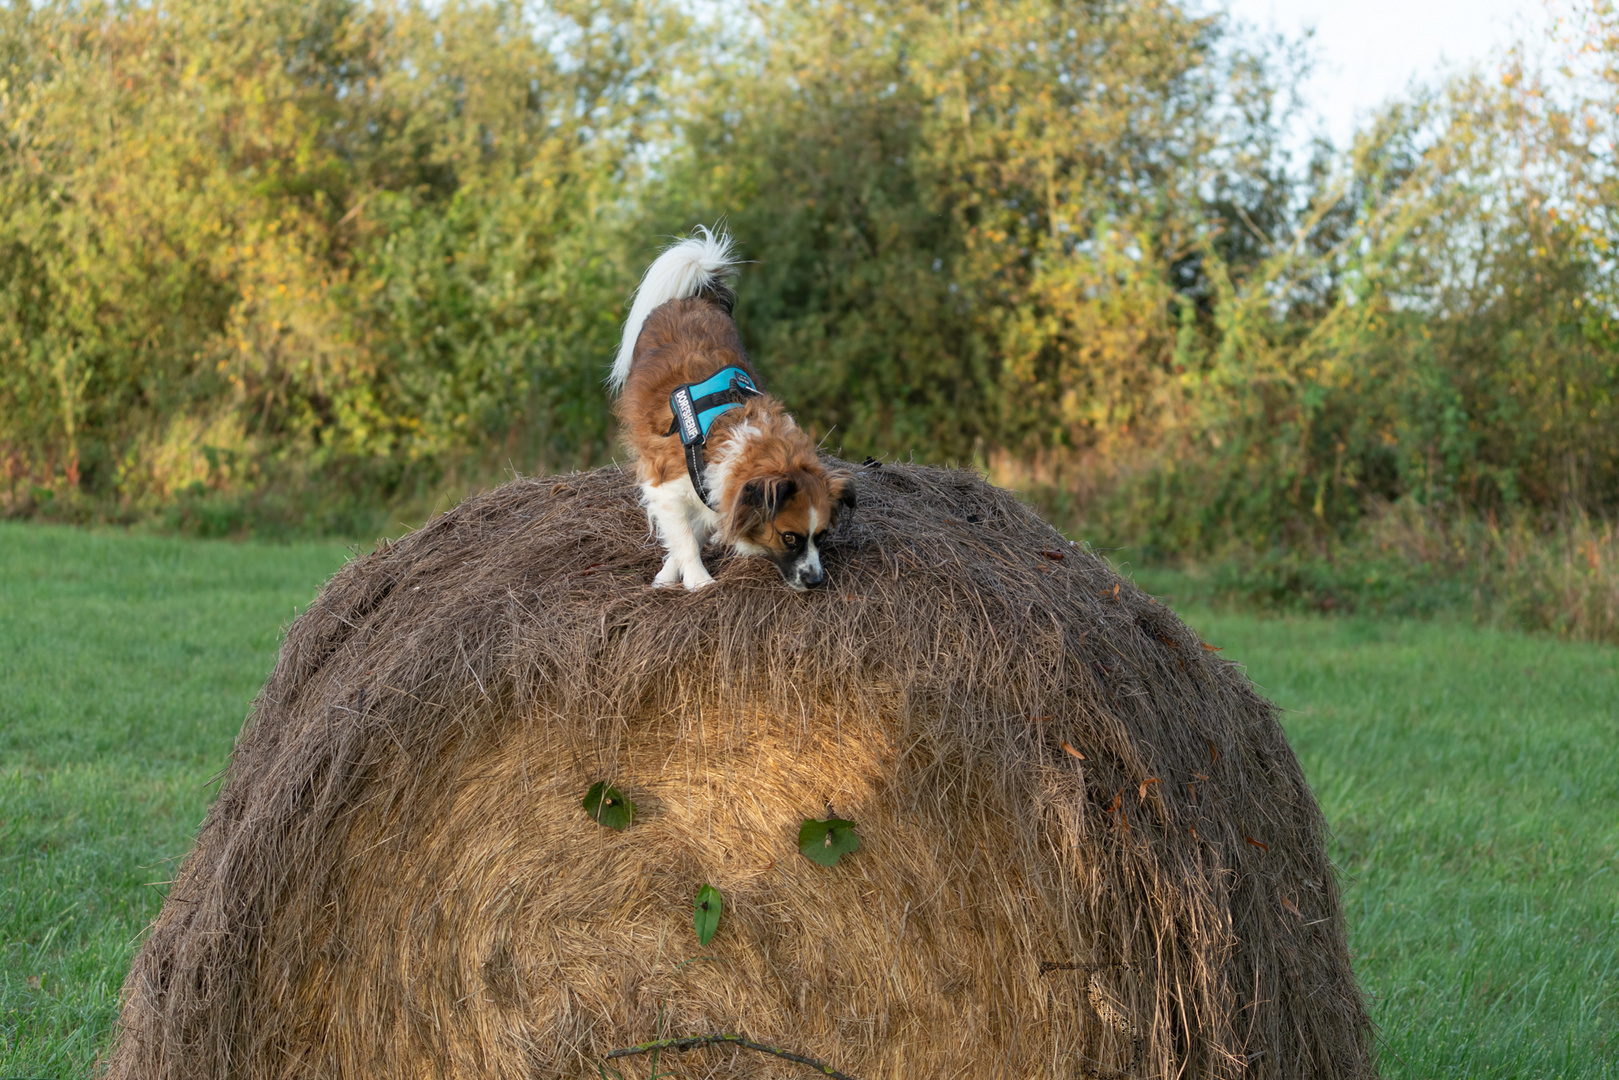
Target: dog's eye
x=820 y=538
x=790 y=539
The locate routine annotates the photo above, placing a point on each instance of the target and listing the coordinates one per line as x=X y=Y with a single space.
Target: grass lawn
x=1472 y=778
x=126 y=667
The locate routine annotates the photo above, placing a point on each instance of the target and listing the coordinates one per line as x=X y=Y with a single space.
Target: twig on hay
x=697 y=1042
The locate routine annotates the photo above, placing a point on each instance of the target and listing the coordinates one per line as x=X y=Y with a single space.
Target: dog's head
x=787 y=518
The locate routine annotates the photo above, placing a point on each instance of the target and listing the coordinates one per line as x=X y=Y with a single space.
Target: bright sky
x=1369 y=50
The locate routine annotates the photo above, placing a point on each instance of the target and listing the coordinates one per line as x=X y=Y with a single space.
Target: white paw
x=698 y=578
x=668 y=576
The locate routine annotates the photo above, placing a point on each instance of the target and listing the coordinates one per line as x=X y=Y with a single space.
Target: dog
x=716 y=456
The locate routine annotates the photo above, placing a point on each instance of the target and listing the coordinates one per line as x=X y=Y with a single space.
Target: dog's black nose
x=811 y=578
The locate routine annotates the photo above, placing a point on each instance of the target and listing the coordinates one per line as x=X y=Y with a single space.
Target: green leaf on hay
x=706 y=913
x=607 y=806
x=826 y=842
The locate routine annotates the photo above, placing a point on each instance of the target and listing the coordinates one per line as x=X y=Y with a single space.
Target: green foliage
x=608 y=807
x=825 y=842
x=1558 y=575
x=970 y=244
x=291 y=262
x=270 y=244
x=1438 y=327
x=969 y=221
x=706 y=913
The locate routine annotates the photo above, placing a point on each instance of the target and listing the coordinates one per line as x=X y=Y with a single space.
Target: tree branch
x=695 y=1042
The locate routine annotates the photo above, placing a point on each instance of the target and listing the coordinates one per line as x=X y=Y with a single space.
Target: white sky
x=1369 y=50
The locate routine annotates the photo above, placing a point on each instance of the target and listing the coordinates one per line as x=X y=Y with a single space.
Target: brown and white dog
x=755 y=481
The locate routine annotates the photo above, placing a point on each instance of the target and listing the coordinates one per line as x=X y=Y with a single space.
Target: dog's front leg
x=681 y=529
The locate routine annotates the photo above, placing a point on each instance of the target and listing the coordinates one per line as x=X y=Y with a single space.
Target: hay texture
x=398 y=880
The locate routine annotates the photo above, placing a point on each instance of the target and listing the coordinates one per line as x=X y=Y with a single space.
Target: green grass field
x=1471 y=776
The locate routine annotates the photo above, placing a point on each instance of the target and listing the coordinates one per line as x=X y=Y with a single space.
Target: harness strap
x=695 y=467
x=694 y=408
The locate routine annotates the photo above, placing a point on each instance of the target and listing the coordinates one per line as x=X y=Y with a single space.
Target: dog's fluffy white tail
x=685 y=269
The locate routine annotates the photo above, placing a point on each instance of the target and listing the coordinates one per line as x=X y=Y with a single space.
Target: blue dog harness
x=695 y=407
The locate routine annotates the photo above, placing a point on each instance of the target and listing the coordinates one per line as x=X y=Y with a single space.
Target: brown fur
x=686 y=341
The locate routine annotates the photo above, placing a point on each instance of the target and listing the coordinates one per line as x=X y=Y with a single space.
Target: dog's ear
x=767 y=493
x=840 y=485
x=760 y=499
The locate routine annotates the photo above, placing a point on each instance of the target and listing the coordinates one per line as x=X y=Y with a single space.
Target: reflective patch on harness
x=685 y=415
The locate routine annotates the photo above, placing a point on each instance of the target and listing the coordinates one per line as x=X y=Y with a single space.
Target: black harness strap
x=690 y=422
x=695 y=466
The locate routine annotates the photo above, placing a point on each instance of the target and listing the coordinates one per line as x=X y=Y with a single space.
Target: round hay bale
x=1086 y=848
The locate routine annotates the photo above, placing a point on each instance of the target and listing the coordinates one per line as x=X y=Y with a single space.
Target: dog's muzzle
x=807 y=578
x=802 y=573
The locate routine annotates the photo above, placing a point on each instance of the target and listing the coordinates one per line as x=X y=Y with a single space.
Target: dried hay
x=397 y=878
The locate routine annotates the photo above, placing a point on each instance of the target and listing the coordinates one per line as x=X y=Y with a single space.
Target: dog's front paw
x=668 y=577
x=698 y=579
